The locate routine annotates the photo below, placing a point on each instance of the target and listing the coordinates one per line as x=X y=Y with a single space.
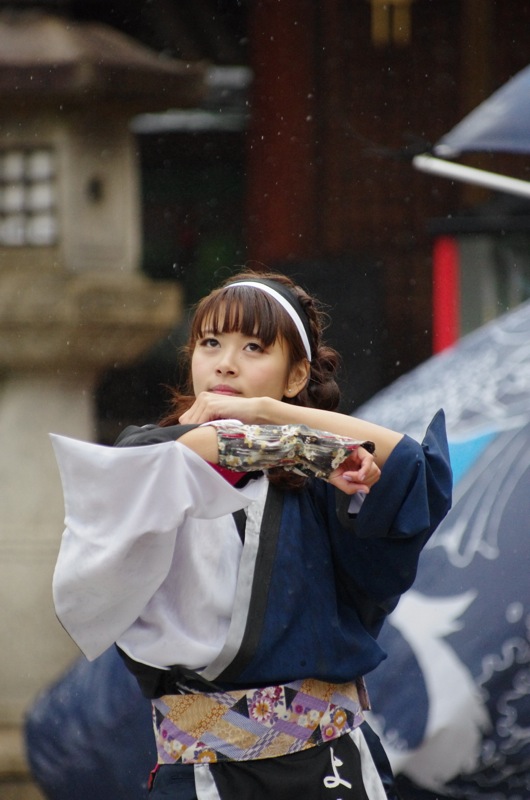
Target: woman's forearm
x=246 y=448
x=209 y=407
x=276 y=412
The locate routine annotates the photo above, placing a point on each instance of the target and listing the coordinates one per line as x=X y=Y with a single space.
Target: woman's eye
x=209 y=341
x=254 y=347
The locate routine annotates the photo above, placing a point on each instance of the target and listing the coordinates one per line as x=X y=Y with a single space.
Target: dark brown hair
x=252 y=312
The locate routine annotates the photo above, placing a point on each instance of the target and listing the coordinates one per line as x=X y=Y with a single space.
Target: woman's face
x=239 y=365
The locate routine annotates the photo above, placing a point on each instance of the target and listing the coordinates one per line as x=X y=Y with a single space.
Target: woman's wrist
x=269 y=411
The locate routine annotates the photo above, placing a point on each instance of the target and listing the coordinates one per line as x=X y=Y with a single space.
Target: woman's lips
x=221 y=389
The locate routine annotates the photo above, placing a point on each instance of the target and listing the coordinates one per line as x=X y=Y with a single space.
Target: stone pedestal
x=35 y=646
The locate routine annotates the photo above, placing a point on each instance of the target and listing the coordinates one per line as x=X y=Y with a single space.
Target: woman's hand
x=209 y=406
x=358 y=473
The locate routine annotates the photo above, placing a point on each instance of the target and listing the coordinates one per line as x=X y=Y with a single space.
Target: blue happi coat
x=320 y=577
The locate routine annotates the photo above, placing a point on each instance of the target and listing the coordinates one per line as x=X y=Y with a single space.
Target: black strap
x=240 y=518
x=156 y=682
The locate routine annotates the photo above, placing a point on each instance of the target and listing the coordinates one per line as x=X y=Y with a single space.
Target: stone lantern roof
x=46 y=58
x=76 y=301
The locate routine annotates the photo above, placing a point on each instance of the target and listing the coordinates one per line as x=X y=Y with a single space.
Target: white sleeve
x=123 y=510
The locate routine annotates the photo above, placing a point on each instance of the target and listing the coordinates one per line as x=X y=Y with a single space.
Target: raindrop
x=514 y=612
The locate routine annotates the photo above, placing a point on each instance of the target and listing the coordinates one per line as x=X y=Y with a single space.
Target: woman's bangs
x=241 y=310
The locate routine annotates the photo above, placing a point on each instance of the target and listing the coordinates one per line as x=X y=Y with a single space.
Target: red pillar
x=281 y=142
x=446 y=293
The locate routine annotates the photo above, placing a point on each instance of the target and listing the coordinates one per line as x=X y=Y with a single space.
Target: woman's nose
x=227 y=363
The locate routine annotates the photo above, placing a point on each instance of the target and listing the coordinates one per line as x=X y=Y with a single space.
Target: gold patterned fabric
x=255 y=723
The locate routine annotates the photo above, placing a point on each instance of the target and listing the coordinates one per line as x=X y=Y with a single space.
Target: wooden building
x=318 y=178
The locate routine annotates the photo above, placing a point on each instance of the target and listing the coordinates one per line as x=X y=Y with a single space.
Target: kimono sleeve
x=378 y=560
x=123 y=511
x=414 y=492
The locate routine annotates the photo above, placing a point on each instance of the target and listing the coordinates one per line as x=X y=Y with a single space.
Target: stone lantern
x=72 y=301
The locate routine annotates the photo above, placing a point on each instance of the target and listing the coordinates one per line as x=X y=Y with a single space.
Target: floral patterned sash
x=255 y=723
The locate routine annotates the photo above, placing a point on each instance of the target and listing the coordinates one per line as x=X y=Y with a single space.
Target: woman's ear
x=298 y=378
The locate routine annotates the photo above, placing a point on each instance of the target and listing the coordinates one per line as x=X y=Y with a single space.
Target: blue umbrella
x=452 y=702
x=499 y=124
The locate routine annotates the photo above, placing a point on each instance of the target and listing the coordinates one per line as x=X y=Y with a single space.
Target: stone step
x=19 y=790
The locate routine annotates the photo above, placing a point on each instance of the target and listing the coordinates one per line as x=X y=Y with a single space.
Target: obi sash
x=253 y=724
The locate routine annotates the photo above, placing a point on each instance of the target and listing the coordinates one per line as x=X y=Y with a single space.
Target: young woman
x=244 y=554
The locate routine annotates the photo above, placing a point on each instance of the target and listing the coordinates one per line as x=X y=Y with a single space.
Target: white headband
x=286 y=305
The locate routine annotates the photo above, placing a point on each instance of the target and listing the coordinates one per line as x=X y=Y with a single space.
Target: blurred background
x=150 y=149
